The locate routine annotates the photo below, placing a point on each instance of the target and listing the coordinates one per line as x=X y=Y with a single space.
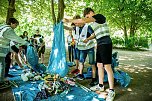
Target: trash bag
x=57 y=61
x=122 y=77
x=41 y=68
x=32 y=56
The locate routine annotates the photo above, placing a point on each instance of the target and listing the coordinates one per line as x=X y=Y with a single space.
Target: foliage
x=132 y=16
x=132 y=43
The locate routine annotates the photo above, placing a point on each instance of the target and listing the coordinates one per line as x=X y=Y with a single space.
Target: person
x=41 y=50
x=40 y=44
x=104 y=48
x=8 y=35
x=25 y=36
x=70 y=42
x=76 y=51
x=85 y=31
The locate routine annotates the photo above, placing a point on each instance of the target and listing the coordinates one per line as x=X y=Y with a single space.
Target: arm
x=11 y=35
x=68 y=28
x=89 y=38
x=80 y=21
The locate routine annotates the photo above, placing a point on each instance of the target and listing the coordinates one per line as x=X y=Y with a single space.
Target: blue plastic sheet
x=27 y=91
x=57 y=61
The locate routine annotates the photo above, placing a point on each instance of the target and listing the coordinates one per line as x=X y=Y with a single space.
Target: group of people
x=85 y=31
x=12 y=45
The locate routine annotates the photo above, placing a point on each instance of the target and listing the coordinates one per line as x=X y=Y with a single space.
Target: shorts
x=91 y=55
x=76 y=54
x=104 y=53
x=15 y=49
x=42 y=51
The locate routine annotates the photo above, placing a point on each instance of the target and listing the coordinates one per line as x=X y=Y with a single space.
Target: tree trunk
x=125 y=33
x=53 y=13
x=61 y=7
x=132 y=25
x=11 y=9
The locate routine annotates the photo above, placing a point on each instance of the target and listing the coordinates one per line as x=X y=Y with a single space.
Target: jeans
x=70 y=51
x=90 y=53
x=76 y=52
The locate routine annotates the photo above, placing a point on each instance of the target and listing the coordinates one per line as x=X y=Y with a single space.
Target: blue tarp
x=27 y=91
x=57 y=61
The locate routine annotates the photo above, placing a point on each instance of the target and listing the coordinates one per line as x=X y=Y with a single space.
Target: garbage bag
x=32 y=56
x=57 y=62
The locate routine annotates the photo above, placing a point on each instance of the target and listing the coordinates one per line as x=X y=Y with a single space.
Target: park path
x=138 y=64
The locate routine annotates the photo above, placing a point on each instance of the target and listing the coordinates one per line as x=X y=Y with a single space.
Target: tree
x=11 y=9
x=61 y=7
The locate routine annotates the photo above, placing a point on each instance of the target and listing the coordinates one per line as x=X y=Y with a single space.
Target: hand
x=86 y=40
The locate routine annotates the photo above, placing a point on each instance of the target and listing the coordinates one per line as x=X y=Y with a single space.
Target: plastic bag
x=32 y=56
x=57 y=61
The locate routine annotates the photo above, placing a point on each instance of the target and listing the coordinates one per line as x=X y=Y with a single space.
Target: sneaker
x=73 y=64
x=80 y=77
x=93 y=83
x=111 y=95
x=75 y=71
x=97 y=88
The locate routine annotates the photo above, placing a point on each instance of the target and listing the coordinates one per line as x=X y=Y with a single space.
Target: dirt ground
x=137 y=64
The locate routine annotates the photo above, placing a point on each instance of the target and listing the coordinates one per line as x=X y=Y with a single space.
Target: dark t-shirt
x=37 y=35
x=100 y=19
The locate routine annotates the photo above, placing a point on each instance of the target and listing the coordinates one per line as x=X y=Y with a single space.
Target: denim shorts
x=91 y=55
x=76 y=54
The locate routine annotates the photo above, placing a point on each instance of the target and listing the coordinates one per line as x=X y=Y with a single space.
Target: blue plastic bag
x=32 y=56
x=57 y=61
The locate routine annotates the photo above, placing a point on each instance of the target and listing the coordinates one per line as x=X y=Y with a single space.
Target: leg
x=42 y=54
x=110 y=75
x=100 y=72
x=72 y=53
x=7 y=63
x=69 y=50
x=42 y=58
x=91 y=55
x=82 y=60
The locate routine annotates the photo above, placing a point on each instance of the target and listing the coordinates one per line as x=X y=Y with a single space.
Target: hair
x=77 y=17
x=87 y=11
x=24 y=33
x=12 y=20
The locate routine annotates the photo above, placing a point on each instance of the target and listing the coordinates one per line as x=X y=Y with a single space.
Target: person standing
x=8 y=36
x=25 y=36
x=40 y=45
x=70 y=46
x=104 y=48
x=86 y=49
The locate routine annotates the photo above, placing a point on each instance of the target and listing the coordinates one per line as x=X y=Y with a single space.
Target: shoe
x=8 y=75
x=97 y=88
x=93 y=83
x=73 y=64
x=75 y=71
x=111 y=95
x=80 y=77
